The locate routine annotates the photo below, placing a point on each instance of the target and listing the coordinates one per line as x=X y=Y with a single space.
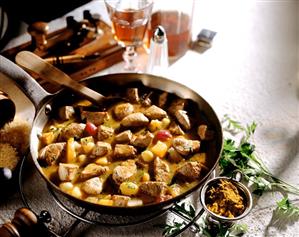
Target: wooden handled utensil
x=33 y=63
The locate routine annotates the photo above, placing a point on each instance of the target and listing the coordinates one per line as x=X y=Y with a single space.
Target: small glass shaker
x=158 y=57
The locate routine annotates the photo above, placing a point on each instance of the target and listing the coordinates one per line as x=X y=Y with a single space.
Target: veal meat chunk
x=93 y=186
x=67 y=172
x=161 y=171
x=142 y=140
x=183 y=119
x=123 y=110
x=120 y=200
x=153 y=188
x=135 y=120
x=124 y=137
x=190 y=171
x=52 y=152
x=124 y=151
x=66 y=112
x=104 y=132
x=174 y=156
x=132 y=95
x=93 y=170
x=97 y=118
x=175 y=129
x=124 y=171
x=177 y=104
x=72 y=130
x=162 y=100
x=204 y=133
x=100 y=149
x=184 y=146
x=154 y=112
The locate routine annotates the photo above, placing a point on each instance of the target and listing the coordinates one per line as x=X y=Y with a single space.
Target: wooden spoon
x=33 y=63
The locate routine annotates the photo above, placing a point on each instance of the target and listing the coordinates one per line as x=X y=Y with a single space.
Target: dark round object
x=45 y=217
x=5 y=174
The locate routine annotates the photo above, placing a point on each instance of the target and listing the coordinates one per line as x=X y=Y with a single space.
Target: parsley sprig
x=242 y=157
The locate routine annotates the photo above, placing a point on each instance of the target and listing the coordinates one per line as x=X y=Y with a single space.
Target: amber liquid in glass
x=177 y=27
x=129 y=26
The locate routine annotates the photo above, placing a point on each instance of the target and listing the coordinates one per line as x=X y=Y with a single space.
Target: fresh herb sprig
x=284 y=214
x=241 y=157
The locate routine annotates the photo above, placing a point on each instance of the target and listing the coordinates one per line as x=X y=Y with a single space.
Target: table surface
x=251 y=73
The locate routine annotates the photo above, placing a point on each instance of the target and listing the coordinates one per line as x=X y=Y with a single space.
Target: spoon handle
x=48 y=72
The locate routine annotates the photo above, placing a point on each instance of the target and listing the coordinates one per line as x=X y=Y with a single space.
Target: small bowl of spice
x=226 y=200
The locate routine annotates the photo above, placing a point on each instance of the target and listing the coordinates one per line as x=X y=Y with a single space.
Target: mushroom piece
x=66 y=112
x=153 y=188
x=120 y=200
x=92 y=170
x=162 y=100
x=124 y=171
x=122 y=110
x=135 y=120
x=124 y=151
x=189 y=171
x=52 y=152
x=204 y=133
x=161 y=171
x=184 y=146
x=104 y=132
x=175 y=129
x=72 y=130
x=154 y=112
x=132 y=95
x=142 y=140
x=177 y=104
x=124 y=137
x=100 y=149
x=183 y=119
x=93 y=186
x=67 y=172
x=97 y=118
x=174 y=156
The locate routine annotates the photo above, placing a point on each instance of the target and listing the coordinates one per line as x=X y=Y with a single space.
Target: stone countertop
x=251 y=73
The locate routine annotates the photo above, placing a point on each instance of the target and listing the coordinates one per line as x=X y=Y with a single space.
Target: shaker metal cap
x=159 y=35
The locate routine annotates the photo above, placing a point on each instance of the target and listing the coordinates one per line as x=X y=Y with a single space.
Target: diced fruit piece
x=48 y=138
x=87 y=144
x=165 y=122
x=159 y=149
x=76 y=192
x=91 y=129
x=70 y=150
x=163 y=135
x=106 y=202
x=154 y=125
x=147 y=156
x=66 y=186
x=82 y=158
x=146 y=177
x=102 y=161
x=129 y=188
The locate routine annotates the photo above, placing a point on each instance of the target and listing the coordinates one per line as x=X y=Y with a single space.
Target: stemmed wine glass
x=129 y=23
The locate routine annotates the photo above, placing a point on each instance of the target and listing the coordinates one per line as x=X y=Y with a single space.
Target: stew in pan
x=147 y=149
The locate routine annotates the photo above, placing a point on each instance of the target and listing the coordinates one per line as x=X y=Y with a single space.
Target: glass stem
x=129 y=57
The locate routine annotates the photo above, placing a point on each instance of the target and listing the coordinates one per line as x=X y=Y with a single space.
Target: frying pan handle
x=24 y=81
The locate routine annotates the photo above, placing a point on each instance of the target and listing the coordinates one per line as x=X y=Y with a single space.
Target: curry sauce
x=133 y=153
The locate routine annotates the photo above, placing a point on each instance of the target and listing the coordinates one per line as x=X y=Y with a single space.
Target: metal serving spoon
x=33 y=63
